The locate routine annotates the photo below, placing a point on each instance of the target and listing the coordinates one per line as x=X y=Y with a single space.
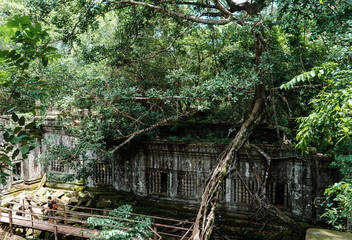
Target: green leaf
x=55 y=56
x=30 y=125
x=9 y=148
x=4 y=158
x=7 y=136
x=24 y=149
x=22 y=121
x=31 y=148
x=15 y=140
x=16 y=95
x=14 y=117
x=3 y=181
x=38 y=27
x=22 y=134
x=18 y=21
x=17 y=130
x=50 y=49
x=15 y=153
x=45 y=61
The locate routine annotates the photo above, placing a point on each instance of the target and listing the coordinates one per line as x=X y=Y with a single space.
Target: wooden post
x=22 y=208
x=155 y=230
x=32 y=219
x=65 y=215
x=10 y=220
x=55 y=228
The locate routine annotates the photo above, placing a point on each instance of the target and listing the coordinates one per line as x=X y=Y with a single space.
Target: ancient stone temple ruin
x=176 y=173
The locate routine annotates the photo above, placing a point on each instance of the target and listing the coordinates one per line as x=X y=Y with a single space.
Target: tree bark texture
x=203 y=225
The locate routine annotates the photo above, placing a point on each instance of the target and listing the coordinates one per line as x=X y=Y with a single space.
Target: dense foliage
x=328 y=125
x=140 y=65
x=123 y=225
x=22 y=43
x=339 y=205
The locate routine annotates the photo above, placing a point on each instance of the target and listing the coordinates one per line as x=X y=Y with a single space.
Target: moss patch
x=325 y=234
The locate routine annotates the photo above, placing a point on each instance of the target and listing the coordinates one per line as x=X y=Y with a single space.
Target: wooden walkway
x=19 y=212
x=66 y=230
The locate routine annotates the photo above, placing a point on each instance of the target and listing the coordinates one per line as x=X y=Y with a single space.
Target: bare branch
x=287 y=104
x=151 y=127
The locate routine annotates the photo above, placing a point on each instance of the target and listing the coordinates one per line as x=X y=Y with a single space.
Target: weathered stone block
x=79 y=188
x=103 y=203
x=65 y=199
x=41 y=192
x=73 y=201
x=58 y=194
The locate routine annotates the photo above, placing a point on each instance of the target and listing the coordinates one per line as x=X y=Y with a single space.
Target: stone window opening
x=17 y=172
x=243 y=190
x=163 y=182
x=158 y=181
x=103 y=172
x=186 y=184
x=222 y=193
x=56 y=165
x=278 y=193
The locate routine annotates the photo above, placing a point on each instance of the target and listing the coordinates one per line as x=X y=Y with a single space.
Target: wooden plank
x=21 y=218
x=44 y=226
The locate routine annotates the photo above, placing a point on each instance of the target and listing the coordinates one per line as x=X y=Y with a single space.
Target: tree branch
x=178 y=14
x=222 y=9
x=162 y=50
x=113 y=107
x=151 y=127
x=268 y=159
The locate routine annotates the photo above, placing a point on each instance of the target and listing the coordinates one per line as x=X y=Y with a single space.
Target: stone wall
x=177 y=172
x=24 y=172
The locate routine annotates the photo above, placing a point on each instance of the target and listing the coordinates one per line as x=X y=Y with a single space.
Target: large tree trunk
x=203 y=225
x=205 y=218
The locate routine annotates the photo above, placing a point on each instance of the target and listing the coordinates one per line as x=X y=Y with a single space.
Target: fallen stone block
x=41 y=192
x=58 y=194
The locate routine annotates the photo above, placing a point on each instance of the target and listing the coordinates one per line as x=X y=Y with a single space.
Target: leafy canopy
x=22 y=43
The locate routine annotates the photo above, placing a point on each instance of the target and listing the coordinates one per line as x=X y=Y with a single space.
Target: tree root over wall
x=204 y=223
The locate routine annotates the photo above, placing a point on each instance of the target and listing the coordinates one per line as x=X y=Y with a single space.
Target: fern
x=319 y=72
x=123 y=225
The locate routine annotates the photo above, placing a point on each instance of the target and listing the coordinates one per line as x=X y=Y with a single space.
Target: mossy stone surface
x=326 y=234
x=79 y=188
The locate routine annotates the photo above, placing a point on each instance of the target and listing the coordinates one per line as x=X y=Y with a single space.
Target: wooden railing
x=34 y=223
x=67 y=215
